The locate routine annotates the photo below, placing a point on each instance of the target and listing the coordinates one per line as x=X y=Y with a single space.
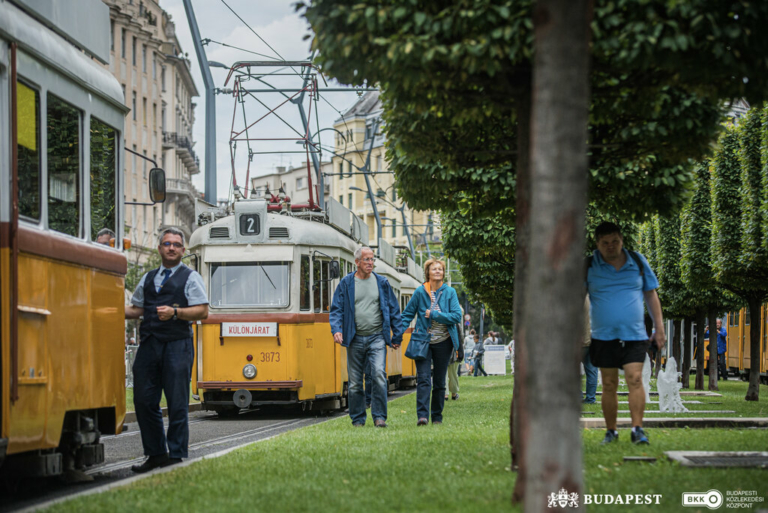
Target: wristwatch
x=175 y=314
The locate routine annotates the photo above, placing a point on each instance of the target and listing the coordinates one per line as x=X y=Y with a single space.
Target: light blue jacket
x=342 y=316
x=450 y=313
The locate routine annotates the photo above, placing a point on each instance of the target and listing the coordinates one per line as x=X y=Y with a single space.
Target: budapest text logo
x=563 y=499
x=712 y=499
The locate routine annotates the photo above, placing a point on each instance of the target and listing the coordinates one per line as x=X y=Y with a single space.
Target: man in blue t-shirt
x=618 y=281
x=722 y=347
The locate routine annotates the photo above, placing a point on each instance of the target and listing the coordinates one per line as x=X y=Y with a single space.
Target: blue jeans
x=163 y=367
x=368 y=382
x=438 y=356
x=374 y=349
x=591 y=372
x=479 y=365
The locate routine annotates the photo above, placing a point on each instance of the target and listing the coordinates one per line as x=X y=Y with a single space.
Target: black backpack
x=635 y=256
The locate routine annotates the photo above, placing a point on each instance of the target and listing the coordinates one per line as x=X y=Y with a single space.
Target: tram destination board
x=250 y=224
x=248 y=329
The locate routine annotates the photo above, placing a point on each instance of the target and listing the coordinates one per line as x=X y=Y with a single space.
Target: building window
x=144 y=109
x=112 y=35
x=349 y=168
x=394 y=227
x=154 y=66
x=154 y=116
x=394 y=194
x=349 y=201
x=123 y=88
x=133 y=55
x=378 y=162
x=122 y=43
x=133 y=106
x=301 y=183
x=341 y=170
x=177 y=85
x=341 y=199
x=162 y=78
x=162 y=118
x=144 y=165
x=144 y=58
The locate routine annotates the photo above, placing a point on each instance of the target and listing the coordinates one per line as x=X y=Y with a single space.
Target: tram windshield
x=241 y=284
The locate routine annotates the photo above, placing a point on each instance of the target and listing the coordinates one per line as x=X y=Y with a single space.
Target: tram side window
x=746 y=318
x=28 y=144
x=63 y=166
x=103 y=177
x=326 y=284
x=304 y=299
x=736 y=318
x=316 y=284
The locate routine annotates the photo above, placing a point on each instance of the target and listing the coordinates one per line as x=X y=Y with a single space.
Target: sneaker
x=422 y=422
x=610 y=436
x=455 y=397
x=639 y=437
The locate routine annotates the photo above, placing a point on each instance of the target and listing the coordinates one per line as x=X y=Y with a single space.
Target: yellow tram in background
x=62 y=374
x=270 y=275
x=738 y=355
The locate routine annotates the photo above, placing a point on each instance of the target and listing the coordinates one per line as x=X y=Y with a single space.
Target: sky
x=284 y=30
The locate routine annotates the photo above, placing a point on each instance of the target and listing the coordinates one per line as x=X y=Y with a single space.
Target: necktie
x=166 y=276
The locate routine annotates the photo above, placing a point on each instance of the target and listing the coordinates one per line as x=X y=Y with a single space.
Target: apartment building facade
x=349 y=187
x=158 y=87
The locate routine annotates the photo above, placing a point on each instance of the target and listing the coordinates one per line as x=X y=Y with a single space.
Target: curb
x=682 y=422
x=131 y=415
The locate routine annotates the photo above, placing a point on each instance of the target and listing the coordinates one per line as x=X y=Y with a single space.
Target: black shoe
x=638 y=436
x=153 y=462
x=455 y=397
x=610 y=436
x=422 y=422
x=380 y=423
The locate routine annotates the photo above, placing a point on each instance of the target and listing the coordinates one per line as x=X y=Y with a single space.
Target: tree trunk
x=701 y=318
x=555 y=288
x=755 y=310
x=676 y=351
x=713 y=349
x=687 y=349
x=522 y=238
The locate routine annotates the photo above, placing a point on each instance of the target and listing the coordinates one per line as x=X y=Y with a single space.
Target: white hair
x=359 y=252
x=171 y=231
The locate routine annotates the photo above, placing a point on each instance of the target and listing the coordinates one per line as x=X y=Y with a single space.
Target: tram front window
x=250 y=284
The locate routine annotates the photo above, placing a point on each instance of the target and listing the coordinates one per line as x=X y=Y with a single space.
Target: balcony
x=184 y=150
x=183 y=194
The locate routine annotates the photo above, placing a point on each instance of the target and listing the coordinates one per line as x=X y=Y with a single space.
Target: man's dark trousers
x=163 y=367
x=721 y=366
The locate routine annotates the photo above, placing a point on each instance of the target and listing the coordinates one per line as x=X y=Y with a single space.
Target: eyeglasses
x=176 y=245
x=367 y=260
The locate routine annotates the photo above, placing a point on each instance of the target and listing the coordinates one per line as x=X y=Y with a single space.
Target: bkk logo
x=712 y=499
x=563 y=499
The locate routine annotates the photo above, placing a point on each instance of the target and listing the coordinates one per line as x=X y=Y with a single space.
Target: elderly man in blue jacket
x=363 y=312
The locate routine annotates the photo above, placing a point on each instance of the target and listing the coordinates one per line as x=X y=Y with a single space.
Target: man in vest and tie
x=168 y=299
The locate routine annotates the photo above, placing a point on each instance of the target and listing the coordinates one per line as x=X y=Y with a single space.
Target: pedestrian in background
x=169 y=299
x=589 y=369
x=365 y=318
x=478 y=355
x=722 y=347
x=436 y=308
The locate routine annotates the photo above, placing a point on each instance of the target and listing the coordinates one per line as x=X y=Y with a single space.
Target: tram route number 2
x=270 y=357
x=249 y=224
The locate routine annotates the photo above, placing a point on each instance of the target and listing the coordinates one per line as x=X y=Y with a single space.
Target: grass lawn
x=732 y=399
x=460 y=466
x=163 y=404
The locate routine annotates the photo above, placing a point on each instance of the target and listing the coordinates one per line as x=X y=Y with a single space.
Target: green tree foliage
x=740 y=261
x=487 y=252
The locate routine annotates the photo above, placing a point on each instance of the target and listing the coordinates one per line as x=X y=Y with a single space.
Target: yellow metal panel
x=76 y=352
x=5 y=337
x=408 y=365
x=394 y=362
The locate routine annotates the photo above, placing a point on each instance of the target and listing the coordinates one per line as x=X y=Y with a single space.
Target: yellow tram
x=738 y=354
x=62 y=374
x=270 y=275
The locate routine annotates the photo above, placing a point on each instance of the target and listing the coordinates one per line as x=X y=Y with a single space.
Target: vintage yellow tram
x=270 y=275
x=62 y=377
x=738 y=355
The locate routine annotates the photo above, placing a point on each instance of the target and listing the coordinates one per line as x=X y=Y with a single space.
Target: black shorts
x=614 y=354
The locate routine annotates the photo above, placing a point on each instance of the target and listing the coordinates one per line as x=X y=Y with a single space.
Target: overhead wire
x=243 y=49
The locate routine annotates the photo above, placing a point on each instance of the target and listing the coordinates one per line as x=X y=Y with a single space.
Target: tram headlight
x=249 y=371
